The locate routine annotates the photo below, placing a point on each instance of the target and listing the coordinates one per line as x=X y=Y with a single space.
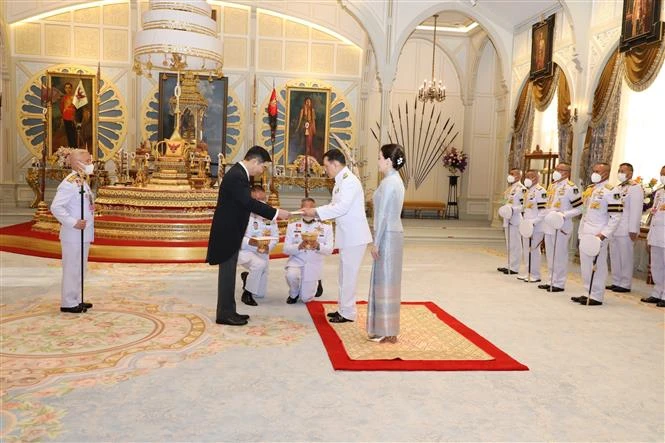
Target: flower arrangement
x=455 y=161
x=649 y=190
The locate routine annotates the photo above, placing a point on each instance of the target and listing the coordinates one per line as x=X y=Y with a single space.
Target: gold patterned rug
x=46 y=354
x=430 y=340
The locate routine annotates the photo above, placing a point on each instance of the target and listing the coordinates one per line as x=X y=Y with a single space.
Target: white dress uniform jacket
x=249 y=257
x=656 y=240
x=66 y=207
x=348 y=209
x=602 y=213
x=621 y=246
x=352 y=235
x=514 y=197
x=304 y=266
x=534 y=210
x=565 y=197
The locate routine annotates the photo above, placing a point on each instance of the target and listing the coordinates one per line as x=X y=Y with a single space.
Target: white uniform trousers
x=621 y=260
x=557 y=261
x=71 y=272
x=297 y=287
x=658 y=271
x=599 y=277
x=536 y=238
x=350 y=259
x=515 y=246
x=257 y=279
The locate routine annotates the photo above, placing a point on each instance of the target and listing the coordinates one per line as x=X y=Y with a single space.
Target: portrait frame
x=296 y=128
x=542 y=43
x=641 y=27
x=82 y=131
x=216 y=91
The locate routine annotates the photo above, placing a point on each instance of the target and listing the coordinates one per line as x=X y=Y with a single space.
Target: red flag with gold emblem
x=272 y=113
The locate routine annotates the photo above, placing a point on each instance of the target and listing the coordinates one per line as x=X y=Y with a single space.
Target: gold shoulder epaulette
x=570 y=182
x=609 y=186
x=73 y=178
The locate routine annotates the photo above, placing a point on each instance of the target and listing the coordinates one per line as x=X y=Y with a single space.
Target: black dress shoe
x=319 y=290
x=231 y=320
x=610 y=287
x=291 y=301
x=543 y=286
x=333 y=314
x=661 y=304
x=580 y=299
x=86 y=305
x=243 y=277
x=248 y=299
x=555 y=289
x=620 y=289
x=650 y=300
x=504 y=270
x=339 y=319
x=241 y=316
x=591 y=302
x=509 y=272
x=74 y=309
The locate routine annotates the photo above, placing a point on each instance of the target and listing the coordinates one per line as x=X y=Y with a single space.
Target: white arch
x=493 y=33
x=453 y=61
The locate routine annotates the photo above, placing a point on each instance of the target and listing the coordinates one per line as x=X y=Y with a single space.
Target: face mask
x=89 y=169
x=556 y=176
x=595 y=177
x=662 y=179
x=510 y=179
x=528 y=182
x=621 y=176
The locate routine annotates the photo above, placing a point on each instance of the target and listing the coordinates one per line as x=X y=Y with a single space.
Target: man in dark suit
x=234 y=204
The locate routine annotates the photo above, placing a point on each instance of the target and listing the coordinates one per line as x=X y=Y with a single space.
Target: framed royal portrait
x=640 y=23
x=211 y=128
x=542 y=42
x=307 y=123
x=73 y=116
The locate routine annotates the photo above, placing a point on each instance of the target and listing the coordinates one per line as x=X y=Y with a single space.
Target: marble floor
x=596 y=373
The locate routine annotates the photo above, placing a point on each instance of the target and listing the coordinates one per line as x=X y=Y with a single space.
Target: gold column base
x=41 y=212
x=273 y=199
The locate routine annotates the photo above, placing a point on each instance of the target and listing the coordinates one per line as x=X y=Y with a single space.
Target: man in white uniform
x=534 y=211
x=514 y=198
x=352 y=232
x=562 y=196
x=623 y=240
x=254 y=256
x=305 y=264
x=66 y=207
x=602 y=212
x=656 y=241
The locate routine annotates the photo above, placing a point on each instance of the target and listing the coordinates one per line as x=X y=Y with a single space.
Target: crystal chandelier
x=430 y=91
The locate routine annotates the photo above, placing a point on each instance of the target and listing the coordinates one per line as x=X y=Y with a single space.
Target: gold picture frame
x=73 y=111
x=307 y=125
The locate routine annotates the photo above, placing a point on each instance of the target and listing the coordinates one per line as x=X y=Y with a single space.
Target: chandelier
x=177 y=36
x=430 y=91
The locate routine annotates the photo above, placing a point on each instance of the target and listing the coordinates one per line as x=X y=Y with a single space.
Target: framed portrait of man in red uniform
x=73 y=114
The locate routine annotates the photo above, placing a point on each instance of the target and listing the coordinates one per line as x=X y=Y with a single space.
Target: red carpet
x=430 y=340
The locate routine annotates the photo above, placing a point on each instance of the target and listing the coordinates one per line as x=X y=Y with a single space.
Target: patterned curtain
x=544 y=88
x=522 y=128
x=642 y=64
x=601 y=134
x=564 y=125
